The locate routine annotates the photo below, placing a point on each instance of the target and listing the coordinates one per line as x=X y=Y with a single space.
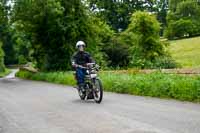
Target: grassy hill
x=186 y=52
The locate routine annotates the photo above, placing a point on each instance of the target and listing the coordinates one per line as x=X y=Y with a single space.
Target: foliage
x=117 y=52
x=161 y=9
x=146 y=47
x=183 y=20
x=139 y=46
x=22 y=44
x=147 y=28
x=173 y=4
x=180 y=28
x=156 y=84
x=55 y=27
x=6 y=72
x=2 y=66
x=117 y=13
x=6 y=34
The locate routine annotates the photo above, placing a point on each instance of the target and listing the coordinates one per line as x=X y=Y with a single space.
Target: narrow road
x=38 y=107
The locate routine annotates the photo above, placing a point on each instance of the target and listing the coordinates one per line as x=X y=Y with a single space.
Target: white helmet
x=80 y=43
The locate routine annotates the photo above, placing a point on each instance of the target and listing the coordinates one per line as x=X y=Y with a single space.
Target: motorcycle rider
x=81 y=58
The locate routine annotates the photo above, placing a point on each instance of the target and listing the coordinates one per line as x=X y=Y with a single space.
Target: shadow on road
x=83 y=101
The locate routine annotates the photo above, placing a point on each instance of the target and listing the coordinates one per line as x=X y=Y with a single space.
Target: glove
x=75 y=65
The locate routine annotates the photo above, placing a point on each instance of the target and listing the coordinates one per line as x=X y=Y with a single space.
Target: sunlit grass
x=186 y=52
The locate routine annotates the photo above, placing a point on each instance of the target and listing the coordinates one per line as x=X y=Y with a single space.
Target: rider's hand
x=75 y=65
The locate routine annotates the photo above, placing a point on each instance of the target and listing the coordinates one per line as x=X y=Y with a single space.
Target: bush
x=180 y=28
x=2 y=66
x=22 y=59
x=183 y=20
x=164 y=62
x=146 y=28
x=146 y=50
x=117 y=53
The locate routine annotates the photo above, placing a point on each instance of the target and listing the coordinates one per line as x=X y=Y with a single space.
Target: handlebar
x=80 y=66
x=87 y=65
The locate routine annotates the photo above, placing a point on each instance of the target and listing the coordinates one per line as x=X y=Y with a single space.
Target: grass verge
x=53 y=77
x=185 y=88
x=2 y=74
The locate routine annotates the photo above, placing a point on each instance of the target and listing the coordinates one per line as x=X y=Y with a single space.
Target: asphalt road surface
x=38 y=107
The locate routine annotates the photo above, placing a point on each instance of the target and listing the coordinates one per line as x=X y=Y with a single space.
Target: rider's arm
x=90 y=59
x=73 y=60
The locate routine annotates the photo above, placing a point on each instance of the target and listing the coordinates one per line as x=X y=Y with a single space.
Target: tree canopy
x=183 y=19
x=118 y=33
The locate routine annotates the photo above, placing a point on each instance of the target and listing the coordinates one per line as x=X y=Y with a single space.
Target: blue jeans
x=80 y=74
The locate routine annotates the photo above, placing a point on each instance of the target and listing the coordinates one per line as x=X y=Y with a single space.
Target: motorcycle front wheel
x=81 y=94
x=98 y=91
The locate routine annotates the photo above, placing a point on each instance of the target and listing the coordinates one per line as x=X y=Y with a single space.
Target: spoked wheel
x=98 y=91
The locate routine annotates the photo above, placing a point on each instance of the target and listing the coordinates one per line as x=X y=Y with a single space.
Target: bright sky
x=10 y=3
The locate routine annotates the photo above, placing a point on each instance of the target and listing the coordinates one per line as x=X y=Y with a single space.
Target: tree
x=2 y=66
x=6 y=33
x=22 y=45
x=161 y=9
x=54 y=27
x=147 y=28
x=117 y=13
x=188 y=10
x=117 y=52
x=173 y=4
x=146 y=46
x=183 y=21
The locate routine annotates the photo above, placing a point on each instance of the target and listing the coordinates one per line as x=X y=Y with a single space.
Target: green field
x=186 y=52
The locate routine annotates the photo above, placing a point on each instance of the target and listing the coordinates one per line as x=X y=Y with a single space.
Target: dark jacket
x=81 y=58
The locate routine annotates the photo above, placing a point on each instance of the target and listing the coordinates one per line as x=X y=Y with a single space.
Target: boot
x=81 y=87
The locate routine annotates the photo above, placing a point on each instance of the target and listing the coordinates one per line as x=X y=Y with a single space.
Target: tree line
x=118 y=33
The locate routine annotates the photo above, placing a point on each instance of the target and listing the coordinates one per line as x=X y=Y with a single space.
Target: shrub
x=146 y=47
x=164 y=62
x=22 y=59
x=180 y=28
x=183 y=20
x=2 y=66
x=117 y=53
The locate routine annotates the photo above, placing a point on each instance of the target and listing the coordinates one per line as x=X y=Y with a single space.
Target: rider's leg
x=80 y=77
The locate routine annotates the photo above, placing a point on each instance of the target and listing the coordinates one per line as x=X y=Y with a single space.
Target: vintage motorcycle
x=93 y=88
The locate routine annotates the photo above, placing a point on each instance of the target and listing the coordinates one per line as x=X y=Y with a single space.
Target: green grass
x=53 y=77
x=186 y=52
x=2 y=74
x=157 y=84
